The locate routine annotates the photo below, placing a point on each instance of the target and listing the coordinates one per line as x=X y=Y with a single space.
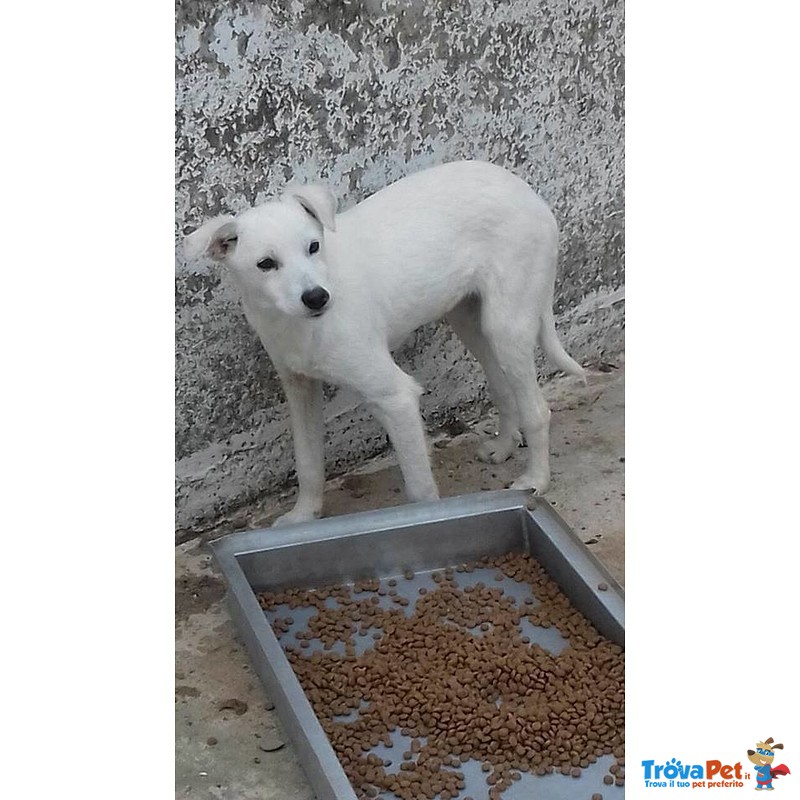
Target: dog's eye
x=313 y=248
x=267 y=264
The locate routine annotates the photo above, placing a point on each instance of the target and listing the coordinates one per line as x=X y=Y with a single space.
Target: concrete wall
x=359 y=94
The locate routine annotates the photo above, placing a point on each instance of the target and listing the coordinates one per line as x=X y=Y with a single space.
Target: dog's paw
x=538 y=483
x=293 y=516
x=496 y=451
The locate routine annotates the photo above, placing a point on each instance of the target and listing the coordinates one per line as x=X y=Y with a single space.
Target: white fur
x=467 y=241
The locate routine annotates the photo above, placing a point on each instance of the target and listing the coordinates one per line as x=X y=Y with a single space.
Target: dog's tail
x=554 y=350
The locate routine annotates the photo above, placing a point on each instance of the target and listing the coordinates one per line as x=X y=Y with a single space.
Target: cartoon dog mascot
x=762 y=757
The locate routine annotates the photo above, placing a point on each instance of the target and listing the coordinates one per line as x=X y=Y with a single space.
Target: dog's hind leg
x=465 y=319
x=304 y=397
x=513 y=340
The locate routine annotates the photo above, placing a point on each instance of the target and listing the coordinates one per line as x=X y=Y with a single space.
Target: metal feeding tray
x=389 y=543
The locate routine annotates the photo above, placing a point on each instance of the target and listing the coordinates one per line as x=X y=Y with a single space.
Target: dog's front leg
x=304 y=396
x=397 y=408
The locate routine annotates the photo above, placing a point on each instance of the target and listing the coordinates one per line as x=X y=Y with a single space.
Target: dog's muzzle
x=315 y=298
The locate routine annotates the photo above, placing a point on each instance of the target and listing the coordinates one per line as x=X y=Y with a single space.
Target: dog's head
x=764 y=752
x=275 y=251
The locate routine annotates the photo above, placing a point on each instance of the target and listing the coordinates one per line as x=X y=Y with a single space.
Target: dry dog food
x=453 y=673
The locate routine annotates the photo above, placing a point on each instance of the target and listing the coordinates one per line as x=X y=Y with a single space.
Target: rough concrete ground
x=223 y=716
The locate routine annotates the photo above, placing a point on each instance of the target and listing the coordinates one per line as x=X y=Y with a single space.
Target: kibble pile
x=458 y=677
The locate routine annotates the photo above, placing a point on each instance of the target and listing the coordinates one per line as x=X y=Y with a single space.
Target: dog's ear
x=215 y=238
x=317 y=200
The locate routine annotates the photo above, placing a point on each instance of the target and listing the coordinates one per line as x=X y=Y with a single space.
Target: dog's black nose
x=315 y=298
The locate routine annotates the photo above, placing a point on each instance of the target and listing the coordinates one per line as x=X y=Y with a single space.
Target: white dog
x=331 y=296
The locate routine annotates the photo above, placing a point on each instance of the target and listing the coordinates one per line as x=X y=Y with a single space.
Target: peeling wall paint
x=360 y=93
